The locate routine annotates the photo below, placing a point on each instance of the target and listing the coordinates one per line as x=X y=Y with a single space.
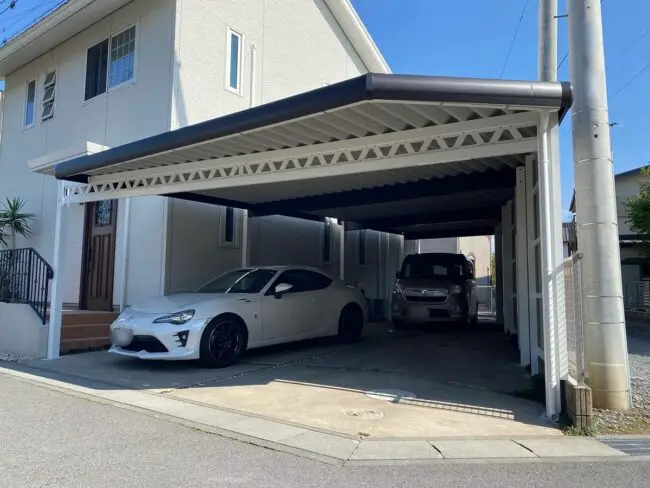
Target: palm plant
x=14 y=221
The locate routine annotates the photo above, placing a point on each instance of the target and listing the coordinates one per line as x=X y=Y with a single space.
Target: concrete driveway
x=434 y=382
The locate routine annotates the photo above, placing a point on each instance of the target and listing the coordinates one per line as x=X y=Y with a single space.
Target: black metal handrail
x=25 y=278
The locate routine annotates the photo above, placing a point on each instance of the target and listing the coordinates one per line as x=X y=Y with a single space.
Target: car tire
x=350 y=324
x=223 y=341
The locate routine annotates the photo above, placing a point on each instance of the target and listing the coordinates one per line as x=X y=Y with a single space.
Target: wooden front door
x=99 y=256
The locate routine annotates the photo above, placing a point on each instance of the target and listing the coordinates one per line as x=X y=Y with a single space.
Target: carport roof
x=415 y=144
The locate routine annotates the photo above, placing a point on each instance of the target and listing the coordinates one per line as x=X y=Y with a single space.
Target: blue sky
x=455 y=38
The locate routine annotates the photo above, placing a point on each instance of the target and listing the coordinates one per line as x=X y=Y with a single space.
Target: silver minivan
x=434 y=287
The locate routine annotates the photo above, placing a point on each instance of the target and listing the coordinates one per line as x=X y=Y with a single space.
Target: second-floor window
x=110 y=63
x=49 y=95
x=234 y=61
x=30 y=103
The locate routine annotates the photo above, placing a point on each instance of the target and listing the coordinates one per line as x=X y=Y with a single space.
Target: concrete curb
x=328 y=447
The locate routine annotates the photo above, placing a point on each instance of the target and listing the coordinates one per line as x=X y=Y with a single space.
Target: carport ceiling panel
x=417 y=147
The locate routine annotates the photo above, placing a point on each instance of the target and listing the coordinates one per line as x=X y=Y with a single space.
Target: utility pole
x=605 y=341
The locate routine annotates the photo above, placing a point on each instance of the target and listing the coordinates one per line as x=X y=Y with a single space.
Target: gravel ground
x=637 y=420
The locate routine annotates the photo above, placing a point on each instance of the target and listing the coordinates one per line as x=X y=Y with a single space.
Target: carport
x=422 y=157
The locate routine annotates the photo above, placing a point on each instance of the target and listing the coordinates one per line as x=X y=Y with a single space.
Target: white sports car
x=238 y=310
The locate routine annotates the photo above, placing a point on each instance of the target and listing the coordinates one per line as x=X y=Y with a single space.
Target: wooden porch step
x=84 y=344
x=85 y=329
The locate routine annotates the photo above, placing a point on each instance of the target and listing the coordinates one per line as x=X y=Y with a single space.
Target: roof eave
x=63 y=23
x=356 y=31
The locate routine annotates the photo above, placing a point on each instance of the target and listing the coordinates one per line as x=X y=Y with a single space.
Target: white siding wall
x=283 y=240
x=126 y=114
x=439 y=245
x=299 y=46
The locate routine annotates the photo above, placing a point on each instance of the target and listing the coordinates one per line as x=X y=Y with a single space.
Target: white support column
x=523 y=317
x=550 y=298
x=507 y=255
x=342 y=252
x=498 y=260
x=532 y=242
x=244 y=239
x=56 y=301
x=125 y=253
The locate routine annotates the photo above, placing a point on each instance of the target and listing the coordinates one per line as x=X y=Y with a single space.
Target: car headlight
x=177 y=318
x=455 y=290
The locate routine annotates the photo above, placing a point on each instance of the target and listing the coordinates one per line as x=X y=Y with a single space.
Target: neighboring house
x=96 y=74
x=634 y=266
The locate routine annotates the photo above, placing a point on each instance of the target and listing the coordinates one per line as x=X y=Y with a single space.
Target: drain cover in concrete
x=364 y=413
x=391 y=395
x=632 y=446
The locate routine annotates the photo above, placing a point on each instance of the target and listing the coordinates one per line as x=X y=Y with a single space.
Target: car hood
x=179 y=302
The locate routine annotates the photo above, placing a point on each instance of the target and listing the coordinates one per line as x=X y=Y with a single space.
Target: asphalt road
x=49 y=438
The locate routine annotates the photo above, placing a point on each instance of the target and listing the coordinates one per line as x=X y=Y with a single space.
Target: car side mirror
x=281 y=289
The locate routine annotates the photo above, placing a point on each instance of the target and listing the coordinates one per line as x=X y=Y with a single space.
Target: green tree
x=638 y=213
x=14 y=222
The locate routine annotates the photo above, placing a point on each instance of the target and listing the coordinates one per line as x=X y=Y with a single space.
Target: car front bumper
x=139 y=337
x=420 y=312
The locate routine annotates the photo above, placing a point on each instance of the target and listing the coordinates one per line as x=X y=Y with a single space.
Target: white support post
x=523 y=318
x=550 y=298
x=498 y=260
x=244 y=239
x=56 y=302
x=342 y=252
x=532 y=229
x=507 y=255
x=125 y=253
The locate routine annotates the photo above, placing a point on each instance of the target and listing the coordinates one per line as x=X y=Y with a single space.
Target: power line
x=630 y=81
x=514 y=38
x=567 y=53
x=632 y=44
x=22 y=15
x=11 y=5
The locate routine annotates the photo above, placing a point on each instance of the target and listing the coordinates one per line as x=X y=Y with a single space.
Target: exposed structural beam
x=439 y=145
x=490 y=180
x=400 y=222
x=253 y=209
x=484 y=230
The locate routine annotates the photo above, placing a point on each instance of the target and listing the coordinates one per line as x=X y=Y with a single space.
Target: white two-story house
x=95 y=74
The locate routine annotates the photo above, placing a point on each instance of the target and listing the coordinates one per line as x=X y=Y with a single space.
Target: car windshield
x=427 y=269
x=239 y=281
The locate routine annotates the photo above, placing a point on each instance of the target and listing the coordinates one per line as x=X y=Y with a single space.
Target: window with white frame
x=110 y=63
x=30 y=103
x=49 y=96
x=229 y=228
x=326 y=242
x=234 y=61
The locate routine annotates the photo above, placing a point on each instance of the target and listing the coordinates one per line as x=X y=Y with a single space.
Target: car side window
x=303 y=280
